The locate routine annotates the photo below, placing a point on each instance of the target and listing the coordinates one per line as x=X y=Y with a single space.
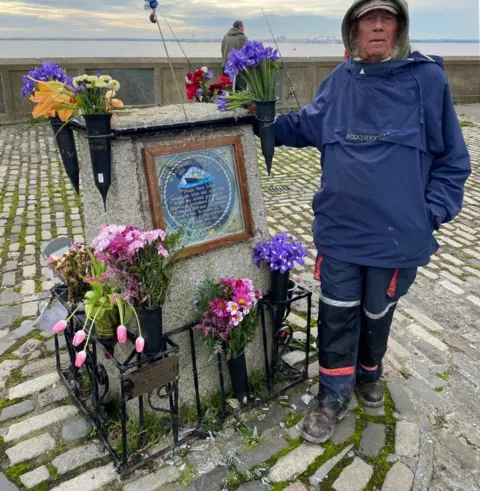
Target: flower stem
x=138 y=321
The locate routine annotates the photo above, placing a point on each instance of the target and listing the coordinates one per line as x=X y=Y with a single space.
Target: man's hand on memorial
x=252 y=107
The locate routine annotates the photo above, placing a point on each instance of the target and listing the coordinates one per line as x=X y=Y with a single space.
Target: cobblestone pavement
x=425 y=437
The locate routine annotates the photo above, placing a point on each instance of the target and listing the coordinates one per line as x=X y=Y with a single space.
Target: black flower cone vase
x=68 y=153
x=237 y=368
x=99 y=131
x=280 y=292
x=266 y=130
x=152 y=330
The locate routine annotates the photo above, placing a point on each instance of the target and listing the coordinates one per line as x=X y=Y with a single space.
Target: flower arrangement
x=198 y=86
x=126 y=269
x=51 y=89
x=229 y=317
x=72 y=267
x=280 y=252
x=259 y=67
x=95 y=94
x=57 y=94
x=141 y=261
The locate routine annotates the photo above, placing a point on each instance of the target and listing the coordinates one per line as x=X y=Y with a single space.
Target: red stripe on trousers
x=318 y=266
x=337 y=371
x=393 y=284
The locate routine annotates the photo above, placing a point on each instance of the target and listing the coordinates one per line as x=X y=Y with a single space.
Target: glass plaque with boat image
x=200 y=191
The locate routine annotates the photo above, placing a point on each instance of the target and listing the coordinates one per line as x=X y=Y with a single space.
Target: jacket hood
x=404 y=35
x=234 y=32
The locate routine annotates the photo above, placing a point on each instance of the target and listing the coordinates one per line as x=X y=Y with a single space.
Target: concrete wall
x=149 y=81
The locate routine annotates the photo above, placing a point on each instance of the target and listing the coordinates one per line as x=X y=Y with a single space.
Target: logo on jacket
x=359 y=138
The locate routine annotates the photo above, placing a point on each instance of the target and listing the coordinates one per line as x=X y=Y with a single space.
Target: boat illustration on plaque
x=195 y=176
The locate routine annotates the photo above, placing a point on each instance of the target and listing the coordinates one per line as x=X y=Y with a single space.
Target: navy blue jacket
x=393 y=156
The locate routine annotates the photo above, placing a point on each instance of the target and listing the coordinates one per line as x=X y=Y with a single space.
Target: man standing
x=234 y=39
x=394 y=166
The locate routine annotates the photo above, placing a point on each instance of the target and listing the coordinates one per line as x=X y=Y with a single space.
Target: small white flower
x=114 y=85
x=204 y=69
x=105 y=78
x=188 y=81
x=100 y=84
x=92 y=78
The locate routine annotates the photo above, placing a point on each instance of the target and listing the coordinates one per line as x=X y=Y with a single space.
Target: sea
x=44 y=49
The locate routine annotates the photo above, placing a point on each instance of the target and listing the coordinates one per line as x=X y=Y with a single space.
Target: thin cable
x=178 y=42
x=171 y=68
x=284 y=64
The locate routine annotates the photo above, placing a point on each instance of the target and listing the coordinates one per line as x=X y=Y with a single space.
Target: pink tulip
x=122 y=334
x=59 y=327
x=297 y=278
x=80 y=358
x=140 y=344
x=79 y=338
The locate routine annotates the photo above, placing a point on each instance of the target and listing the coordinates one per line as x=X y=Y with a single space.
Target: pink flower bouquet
x=229 y=316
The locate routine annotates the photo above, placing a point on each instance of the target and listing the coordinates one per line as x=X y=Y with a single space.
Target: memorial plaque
x=151 y=378
x=200 y=188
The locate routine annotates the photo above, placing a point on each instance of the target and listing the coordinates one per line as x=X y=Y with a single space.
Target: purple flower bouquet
x=280 y=252
x=259 y=67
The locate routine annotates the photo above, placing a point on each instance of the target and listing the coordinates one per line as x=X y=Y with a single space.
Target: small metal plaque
x=151 y=378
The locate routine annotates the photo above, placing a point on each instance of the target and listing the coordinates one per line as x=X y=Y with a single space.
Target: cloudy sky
x=211 y=18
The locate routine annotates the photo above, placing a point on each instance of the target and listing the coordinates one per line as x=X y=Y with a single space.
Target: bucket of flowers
x=280 y=252
x=229 y=320
x=51 y=89
x=260 y=69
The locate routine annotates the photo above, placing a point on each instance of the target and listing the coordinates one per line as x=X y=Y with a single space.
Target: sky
x=212 y=18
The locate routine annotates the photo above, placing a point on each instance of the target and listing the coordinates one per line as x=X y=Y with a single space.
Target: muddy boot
x=371 y=394
x=320 y=421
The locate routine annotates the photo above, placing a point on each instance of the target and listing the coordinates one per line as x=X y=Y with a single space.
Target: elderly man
x=394 y=169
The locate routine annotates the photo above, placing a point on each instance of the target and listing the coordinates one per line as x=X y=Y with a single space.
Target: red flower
x=214 y=87
x=225 y=81
x=191 y=90
x=198 y=73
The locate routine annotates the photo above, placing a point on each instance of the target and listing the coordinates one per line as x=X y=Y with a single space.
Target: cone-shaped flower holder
x=99 y=134
x=68 y=153
x=266 y=130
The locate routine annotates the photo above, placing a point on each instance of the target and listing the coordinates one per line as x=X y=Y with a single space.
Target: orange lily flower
x=53 y=97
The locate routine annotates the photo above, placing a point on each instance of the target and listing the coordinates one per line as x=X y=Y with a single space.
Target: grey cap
x=369 y=5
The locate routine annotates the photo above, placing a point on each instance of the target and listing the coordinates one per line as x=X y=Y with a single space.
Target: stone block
x=154 y=481
x=52 y=395
x=294 y=463
x=30 y=449
x=75 y=430
x=27 y=348
x=38 y=422
x=35 y=477
x=33 y=386
x=78 y=456
x=324 y=469
x=373 y=440
x=354 y=477
x=92 y=480
x=407 y=439
x=16 y=410
x=260 y=453
x=399 y=478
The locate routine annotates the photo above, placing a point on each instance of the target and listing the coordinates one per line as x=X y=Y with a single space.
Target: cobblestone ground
x=425 y=437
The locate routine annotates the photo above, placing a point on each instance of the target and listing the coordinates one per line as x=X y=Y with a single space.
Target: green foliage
x=154 y=271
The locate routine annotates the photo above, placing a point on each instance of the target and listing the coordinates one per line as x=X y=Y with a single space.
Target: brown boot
x=372 y=394
x=319 y=423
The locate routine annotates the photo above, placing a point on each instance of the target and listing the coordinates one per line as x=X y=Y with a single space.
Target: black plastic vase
x=281 y=290
x=99 y=133
x=68 y=153
x=265 y=113
x=152 y=330
x=237 y=367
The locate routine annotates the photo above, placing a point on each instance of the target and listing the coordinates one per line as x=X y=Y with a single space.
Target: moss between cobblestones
x=14 y=378
x=189 y=474
x=292 y=419
x=14 y=472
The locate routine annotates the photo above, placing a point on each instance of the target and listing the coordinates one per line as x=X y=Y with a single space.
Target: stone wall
x=149 y=81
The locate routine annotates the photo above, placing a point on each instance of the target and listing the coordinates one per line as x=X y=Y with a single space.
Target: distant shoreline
x=185 y=40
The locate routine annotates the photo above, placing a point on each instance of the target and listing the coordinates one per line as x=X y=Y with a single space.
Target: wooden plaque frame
x=149 y=155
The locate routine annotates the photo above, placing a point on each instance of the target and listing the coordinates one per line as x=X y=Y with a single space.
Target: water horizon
x=46 y=48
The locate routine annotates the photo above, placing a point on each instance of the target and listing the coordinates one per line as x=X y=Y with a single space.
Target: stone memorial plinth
x=201 y=175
